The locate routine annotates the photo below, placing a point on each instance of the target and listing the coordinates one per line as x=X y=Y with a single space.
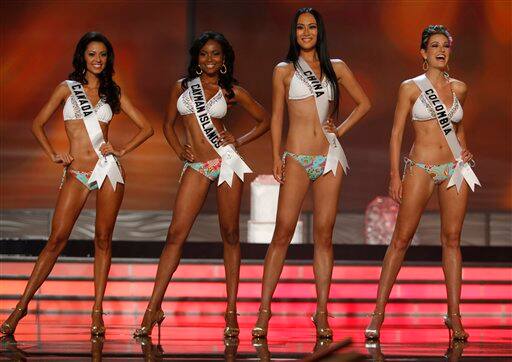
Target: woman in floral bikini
x=211 y=70
x=308 y=83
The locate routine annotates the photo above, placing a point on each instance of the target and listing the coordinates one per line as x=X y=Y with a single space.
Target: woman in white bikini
x=308 y=83
x=201 y=99
x=437 y=161
x=90 y=98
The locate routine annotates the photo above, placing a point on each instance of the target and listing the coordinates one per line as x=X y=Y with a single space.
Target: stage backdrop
x=378 y=40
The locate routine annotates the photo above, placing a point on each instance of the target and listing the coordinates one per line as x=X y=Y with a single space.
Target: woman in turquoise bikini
x=308 y=83
x=210 y=68
x=420 y=179
x=94 y=67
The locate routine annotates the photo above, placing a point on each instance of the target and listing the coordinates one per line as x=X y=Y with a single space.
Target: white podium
x=264 y=197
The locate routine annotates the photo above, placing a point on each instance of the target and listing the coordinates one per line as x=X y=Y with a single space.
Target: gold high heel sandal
x=260 y=332
x=7 y=328
x=455 y=335
x=145 y=331
x=231 y=331
x=321 y=332
x=98 y=330
x=370 y=333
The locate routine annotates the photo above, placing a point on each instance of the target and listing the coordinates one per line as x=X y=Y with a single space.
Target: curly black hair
x=226 y=81
x=108 y=90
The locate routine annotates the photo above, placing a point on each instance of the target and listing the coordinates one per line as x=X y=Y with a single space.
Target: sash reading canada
x=106 y=165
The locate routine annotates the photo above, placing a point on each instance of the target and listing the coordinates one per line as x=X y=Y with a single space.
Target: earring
x=223 y=69
x=425 y=64
x=199 y=71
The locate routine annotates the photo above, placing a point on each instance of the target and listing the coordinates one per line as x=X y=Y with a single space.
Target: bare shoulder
x=283 y=68
x=458 y=86
x=62 y=90
x=178 y=86
x=240 y=91
x=339 y=66
x=408 y=89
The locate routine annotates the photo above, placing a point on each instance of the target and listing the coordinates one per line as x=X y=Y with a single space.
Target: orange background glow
x=378 y=40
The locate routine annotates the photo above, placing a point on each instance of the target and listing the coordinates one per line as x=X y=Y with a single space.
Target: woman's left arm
x=461 y=91
x=348 y=81
x=256 y=111
x=145 y=130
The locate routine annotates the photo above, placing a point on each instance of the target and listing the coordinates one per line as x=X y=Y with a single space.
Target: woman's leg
x=326 y=194
x=453 y=210
x=291 y=196
x=228 y=201
x=189 y=200
x=70 y=202
x=108 y=203
x=417 y=188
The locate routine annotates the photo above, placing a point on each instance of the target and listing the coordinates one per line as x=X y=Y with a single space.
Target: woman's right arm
x=276 y=120
x=402 y=109
x=184 y=152
x=58 y=96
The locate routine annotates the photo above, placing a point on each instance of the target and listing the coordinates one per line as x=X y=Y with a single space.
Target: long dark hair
x=321 y=50
x=431 y=30
x=226 y=81
x=108 y=90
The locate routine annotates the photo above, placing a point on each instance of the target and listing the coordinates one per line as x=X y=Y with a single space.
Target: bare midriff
x=84 y=156
x=430 y=145
x=201 y=147
x=305 y=133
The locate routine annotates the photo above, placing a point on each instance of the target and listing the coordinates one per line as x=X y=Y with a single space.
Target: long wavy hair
x=321 y=50
x=226 y=81
x=108 y=90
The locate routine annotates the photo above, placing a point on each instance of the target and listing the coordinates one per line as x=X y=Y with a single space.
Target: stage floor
x=46 y=337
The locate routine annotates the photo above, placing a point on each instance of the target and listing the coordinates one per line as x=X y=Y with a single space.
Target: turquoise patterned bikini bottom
x=439 y=173
x=313 y=165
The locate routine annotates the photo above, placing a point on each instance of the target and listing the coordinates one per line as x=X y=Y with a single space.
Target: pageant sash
x=462 y=169
x=335 y=153
x=231 y=161
x=106 y=165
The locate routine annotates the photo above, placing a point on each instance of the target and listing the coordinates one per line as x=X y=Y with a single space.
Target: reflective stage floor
x=48 y=337
x=57 y=327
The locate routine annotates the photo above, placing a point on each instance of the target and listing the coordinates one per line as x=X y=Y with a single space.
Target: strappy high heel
x=325 y=332
x=455 y=335
x=8 y=328
x=145 y=331
x=260 y=332
x=98 y=330
x=231 y=331
x=370 y=333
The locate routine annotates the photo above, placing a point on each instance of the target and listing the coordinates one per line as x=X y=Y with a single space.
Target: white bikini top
x=216 y=105
x=71 y=110
x=301 y=89
x=423 y=111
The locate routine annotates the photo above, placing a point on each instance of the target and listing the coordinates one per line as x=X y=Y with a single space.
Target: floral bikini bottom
x=313 y=165
x=439 y=173
x=209 y=169
x=82 y=176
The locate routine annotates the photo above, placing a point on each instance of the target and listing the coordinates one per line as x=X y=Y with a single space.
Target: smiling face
x=211 y=57
x=438 y=50
x=306 y=31
x=95 y=57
